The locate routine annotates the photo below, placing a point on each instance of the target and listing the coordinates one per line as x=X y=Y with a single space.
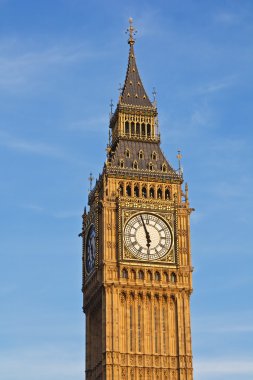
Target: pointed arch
x=159 y=193
x=127 y=127
x=136 y=191
x=135 y=164
x=141 y=155
x=144 y=191
x=128 y=190
x=167 y=194
x=151 y=192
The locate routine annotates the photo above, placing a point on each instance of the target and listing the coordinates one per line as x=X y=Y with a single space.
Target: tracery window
x=156 y=328
x=159 y=193
x=149 y=275
x=154 y=156
x=173 y=277
x=128 y=190
x=124 y=273
x=126 y=127
x=164 y=322
x=148 y=130
x=138 y=129
x=132 y=128
x=139 y=328
x=131 y=327
x=144 y=192
x=121 y=189
x=151 y=192
x=136 y=191
x=141 y=275
x=143 y=129
x=167 y=194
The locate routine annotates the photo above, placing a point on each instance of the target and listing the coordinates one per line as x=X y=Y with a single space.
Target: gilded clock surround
x=137 y=311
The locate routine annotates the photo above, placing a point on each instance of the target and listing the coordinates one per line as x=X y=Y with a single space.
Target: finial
x=91 y=180
x=179 y=157
x=186 y=192
x=120 y=88
x=131 y=31
x=111 y=107
x=154 y=96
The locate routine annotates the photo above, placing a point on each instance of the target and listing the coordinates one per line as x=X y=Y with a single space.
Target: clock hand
x=146 y=232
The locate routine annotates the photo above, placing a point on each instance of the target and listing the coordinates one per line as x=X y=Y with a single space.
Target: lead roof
x=133 y=92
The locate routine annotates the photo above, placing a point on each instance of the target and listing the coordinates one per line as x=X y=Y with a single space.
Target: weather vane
x=131 y=31
x=91 y=178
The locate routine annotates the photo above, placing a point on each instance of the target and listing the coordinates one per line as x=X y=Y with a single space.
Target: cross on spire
x=131 y=31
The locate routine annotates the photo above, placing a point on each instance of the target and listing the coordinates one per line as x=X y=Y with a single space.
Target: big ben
x=137 y=271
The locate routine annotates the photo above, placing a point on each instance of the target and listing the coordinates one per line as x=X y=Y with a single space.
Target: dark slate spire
x=133 y=92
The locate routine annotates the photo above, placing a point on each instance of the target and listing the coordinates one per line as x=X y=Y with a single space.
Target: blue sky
x=61 y=62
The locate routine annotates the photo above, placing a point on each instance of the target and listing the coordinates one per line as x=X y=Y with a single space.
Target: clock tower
x=137 y=272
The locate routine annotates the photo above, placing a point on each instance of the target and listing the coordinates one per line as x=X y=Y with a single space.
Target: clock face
x=147 y=236
x=91 y=249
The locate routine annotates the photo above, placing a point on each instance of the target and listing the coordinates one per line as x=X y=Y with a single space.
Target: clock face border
x=169 y=257
x=91 y=239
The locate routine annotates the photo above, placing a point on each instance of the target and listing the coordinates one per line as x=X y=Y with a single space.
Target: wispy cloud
x=49 y=362
x=21 y=64
x=32 y=207
x=28 y=146
x=228 y=18
x=216 y=86
x=63 y=214
x=89 y=124
x=233 y=366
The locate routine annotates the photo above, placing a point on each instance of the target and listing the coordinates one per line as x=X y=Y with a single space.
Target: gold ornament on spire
x=131 y=31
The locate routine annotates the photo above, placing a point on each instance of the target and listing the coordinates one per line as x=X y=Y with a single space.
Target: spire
x=133 y=92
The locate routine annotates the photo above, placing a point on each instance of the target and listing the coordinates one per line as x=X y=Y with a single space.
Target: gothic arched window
x=151 y=192
x=154 y=156
x=173 y=277
x=157 y=276
x=135 y=165
x=159 y=193
x=132 y=128
x=141 y=154
x=144 y=192
x=121 y=189
x=141 y=275
x=167 y=194
x=127 y=153
x=126 y=127
x=138 y=129
x=136 y=191
x=128 y=190
x=143 y=130
x=124 y=273
x=148 y=130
